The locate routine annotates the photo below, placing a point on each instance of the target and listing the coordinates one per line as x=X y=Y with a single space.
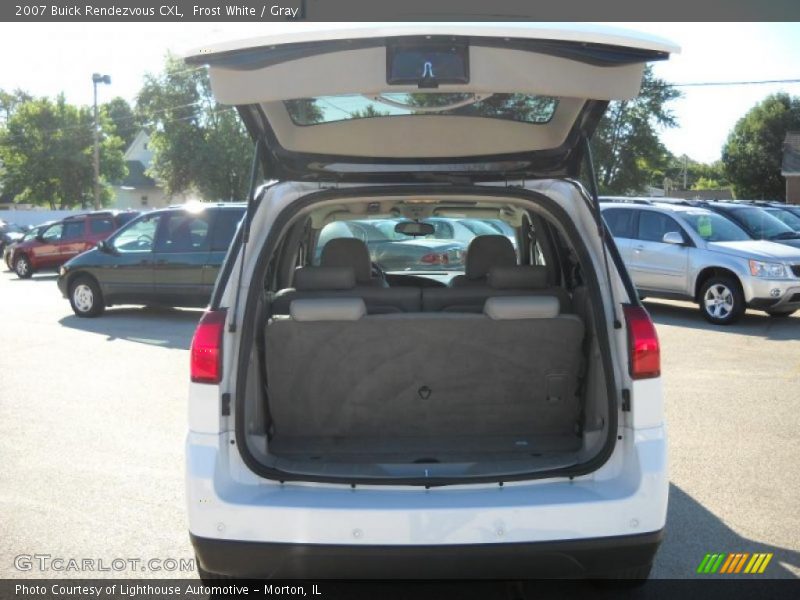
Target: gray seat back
x=340 y=282
x=519 y=280
x=511 y=373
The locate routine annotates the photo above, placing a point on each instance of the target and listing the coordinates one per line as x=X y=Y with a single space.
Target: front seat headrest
x=487 y=251
x=348 y=252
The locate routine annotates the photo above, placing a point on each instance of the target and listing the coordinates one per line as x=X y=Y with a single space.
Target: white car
x=348 y=423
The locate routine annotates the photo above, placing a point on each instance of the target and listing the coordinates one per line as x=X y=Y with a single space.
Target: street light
x=97 y=78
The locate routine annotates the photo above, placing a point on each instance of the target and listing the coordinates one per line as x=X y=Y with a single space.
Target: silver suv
x=690 y=253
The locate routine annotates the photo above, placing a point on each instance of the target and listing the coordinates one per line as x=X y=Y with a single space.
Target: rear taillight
x=432 y=258
x=206 y=352
x=645 y=352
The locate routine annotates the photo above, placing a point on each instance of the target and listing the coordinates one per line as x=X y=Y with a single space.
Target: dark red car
x=65 y=239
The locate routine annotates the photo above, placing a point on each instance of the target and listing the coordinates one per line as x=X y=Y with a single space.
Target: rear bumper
x=532 y=560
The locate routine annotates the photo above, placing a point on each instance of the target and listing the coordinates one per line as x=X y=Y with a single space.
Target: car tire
x=86 y=298
x=23 y=267
x=721 y=300
x=780 y=314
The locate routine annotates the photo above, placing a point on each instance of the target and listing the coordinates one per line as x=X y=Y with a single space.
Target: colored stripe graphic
x=736 y=562
x=727 y=565
x=765 y=563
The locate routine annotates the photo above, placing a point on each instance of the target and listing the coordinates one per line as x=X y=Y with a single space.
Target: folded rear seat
x=521 y=280
x=340 y=282
x=334 y=372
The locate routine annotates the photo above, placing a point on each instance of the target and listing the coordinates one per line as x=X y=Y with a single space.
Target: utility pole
x=97 y=78
x=685 y=169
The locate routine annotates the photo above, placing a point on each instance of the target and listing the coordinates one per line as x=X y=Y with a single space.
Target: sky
x=48 y=58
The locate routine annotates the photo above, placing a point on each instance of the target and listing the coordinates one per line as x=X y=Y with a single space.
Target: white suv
x=348 y=420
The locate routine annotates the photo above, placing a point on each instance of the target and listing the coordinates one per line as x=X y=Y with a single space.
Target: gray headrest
x=487 y=251
x=307 y=279
x=327 y=309
x=522 y=277
x=522 y=307
x=348 y=252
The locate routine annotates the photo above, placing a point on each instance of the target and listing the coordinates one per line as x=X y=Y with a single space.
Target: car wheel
x=779 y=314
x=722 y=301
x=23 y=267
x=86 y=298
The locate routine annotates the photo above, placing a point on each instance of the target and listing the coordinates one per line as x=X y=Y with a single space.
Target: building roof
x=791 y=154
x=136 y=177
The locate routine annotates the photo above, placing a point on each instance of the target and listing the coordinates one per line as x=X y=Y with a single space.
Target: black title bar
x=397 y=10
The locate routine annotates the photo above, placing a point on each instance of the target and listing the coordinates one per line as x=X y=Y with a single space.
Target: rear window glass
x=620 y=222
x=183 y=232
x=522 y=108
x=225 y=224
x=101 y=225
x=72 y=230
x=442 y=251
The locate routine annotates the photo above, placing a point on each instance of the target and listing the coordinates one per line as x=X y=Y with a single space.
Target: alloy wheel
x=719 y=301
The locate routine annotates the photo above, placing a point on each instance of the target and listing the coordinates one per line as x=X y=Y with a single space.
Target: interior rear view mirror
x=414 y=228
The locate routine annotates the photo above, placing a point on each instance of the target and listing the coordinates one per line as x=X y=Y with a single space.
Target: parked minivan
x=343 y=423
x=168 y=257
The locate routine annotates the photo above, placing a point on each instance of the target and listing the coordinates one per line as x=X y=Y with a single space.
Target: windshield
x=787 y=217
x=11 y=228
x=714 y=228
x=761 y=224
x=510 y=107
x=441 y=253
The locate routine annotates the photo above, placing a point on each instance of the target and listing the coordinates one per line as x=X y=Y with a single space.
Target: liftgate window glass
x=427 y=63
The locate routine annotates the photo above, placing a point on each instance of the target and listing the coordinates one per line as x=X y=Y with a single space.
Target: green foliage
x=198 y=144
x=707 y=184
x=9 y=101
x=46 y=148
x=753 y=152
x=305 y=111
x=125 y=123
x=627 y=151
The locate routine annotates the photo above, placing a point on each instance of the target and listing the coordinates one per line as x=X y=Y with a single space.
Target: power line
x=730 y=83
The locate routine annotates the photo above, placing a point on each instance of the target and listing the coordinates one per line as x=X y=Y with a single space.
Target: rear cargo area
x=423 y=387
x=496 y=374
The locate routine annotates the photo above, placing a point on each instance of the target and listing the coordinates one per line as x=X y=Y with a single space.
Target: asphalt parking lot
x=93 y=412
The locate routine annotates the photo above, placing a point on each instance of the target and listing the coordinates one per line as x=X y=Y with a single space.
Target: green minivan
x=168 y=257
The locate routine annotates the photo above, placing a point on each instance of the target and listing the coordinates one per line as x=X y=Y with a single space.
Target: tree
x=627 y=151
x=753 y=152
x=46 y=149
x=9 y=101
x=198 y=144
x=125 y=122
